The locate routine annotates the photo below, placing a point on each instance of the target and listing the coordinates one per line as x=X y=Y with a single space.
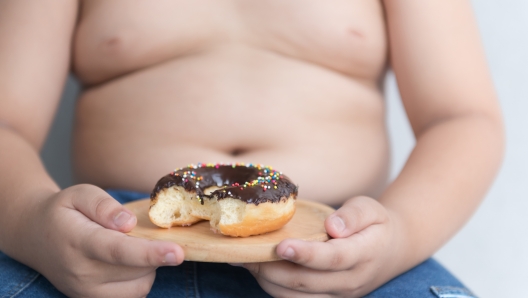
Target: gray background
x=490 y=254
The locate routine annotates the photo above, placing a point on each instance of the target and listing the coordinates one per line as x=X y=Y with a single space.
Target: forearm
x=23 y=182
x=443 y=182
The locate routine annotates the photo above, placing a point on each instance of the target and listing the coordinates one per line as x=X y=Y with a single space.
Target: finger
x=138 y=287
x=279 y=291
x=296 y=278
x=333 y=255
x=266 y=276
x=355 y=215
x=112 y=273
x=133 y=288
x=116 y=248
x=101 y=208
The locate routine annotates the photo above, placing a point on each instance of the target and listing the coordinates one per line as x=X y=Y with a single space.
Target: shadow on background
x=56 y=152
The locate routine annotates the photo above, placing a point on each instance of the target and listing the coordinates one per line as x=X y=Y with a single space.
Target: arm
x=34 y=54
x=74 y=236
x=452 y=107
x=448 y=96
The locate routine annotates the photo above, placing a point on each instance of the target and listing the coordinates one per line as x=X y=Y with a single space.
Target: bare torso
x=292 y=84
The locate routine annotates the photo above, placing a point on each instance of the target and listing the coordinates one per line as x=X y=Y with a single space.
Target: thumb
x=100 y=207
x=355 y=215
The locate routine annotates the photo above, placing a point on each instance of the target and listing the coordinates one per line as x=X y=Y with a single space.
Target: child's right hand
x=75 y=239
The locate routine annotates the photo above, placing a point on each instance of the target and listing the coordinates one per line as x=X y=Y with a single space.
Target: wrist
x=401 y=248
x=19 y=216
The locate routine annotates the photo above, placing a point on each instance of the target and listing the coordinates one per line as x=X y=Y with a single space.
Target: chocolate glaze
x=253 y=184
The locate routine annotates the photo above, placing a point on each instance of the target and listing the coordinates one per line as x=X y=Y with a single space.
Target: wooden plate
x=200 y=244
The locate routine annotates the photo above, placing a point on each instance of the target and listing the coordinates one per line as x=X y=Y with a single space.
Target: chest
x=119 y=36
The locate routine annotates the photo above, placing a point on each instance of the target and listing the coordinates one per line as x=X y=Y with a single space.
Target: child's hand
x=362 y=256
x=77 y=241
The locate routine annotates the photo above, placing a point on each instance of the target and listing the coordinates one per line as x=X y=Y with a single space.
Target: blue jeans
x=195 y=279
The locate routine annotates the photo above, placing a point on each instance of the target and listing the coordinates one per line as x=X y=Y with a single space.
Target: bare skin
x=290 y=84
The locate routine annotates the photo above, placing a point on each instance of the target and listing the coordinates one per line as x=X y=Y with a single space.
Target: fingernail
x=338 y=223
x=170 y=259
x=289 y=253
x=236 y=264
x=121 y=218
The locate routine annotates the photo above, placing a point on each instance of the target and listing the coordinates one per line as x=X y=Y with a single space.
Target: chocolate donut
x=239 y=199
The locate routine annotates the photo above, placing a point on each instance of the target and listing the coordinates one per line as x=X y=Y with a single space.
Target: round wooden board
x=201 y=244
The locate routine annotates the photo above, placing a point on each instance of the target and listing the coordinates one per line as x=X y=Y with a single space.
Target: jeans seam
x=189 y=279
x=26 y=282
x=185 y=269
x=454 y=296
x=451 y=292
x=196 y=291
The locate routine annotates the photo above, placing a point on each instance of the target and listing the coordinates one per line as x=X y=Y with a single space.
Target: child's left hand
x=365 y=253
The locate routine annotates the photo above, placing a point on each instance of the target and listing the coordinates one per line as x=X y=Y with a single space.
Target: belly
x=234 y=104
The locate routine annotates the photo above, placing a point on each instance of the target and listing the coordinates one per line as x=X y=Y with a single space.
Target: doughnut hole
x=210 y=189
